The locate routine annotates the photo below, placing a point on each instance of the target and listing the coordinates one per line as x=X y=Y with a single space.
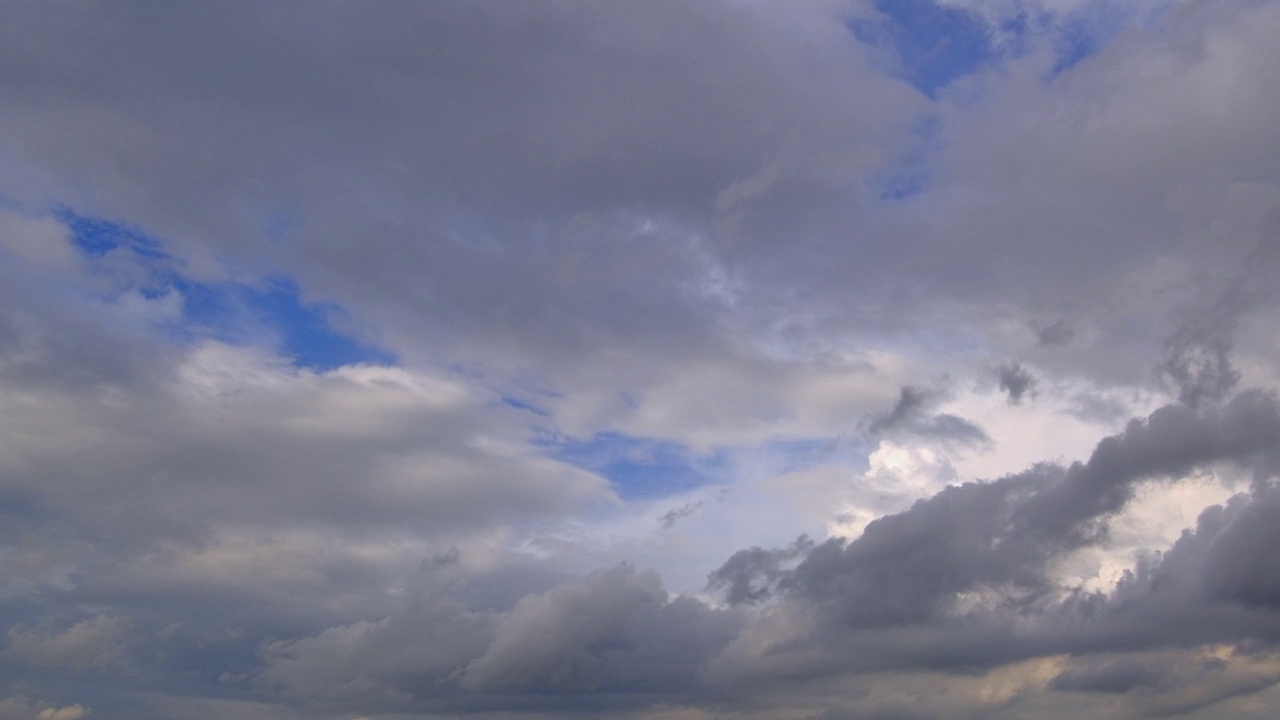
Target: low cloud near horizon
x=817 y=360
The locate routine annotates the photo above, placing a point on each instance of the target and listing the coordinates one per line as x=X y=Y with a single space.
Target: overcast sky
x=653 y=360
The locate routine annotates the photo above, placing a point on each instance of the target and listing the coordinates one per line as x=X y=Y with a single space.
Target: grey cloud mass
x=650 y=361
x=910 y=571
x=963 y=581
x=910 y=415
x=1016 y=381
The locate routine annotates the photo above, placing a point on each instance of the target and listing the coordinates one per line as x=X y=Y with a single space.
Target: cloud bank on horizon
x=673 y=360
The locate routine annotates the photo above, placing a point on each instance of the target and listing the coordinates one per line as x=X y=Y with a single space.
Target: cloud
x=939 y=584
x=1016 y=381
x=1057 y=332
x=670 y=517
x=70 y=712
x=910 y=416
x=417 y=650
x=1172 y=682
x=963 y=580
x=20 y=708
x=39 y=241
x=1198 y=354
x=616 y=631
x=752 y=576
x=93 y=643
x=654 y=289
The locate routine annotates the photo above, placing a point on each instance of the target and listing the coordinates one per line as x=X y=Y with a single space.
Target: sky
x=668 y=360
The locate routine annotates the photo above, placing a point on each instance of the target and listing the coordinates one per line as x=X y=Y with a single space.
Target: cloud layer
x=826 y=359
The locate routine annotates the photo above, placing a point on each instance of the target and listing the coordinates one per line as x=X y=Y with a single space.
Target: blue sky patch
x=271 y=312
x=95 y=238
x=644 y=468
x=933 y=44
x=242 y=313
x=640 y=467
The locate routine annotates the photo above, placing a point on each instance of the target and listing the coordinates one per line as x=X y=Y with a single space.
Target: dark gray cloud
x=912 y=402
x=911 y=416
x=617 y=631
x=890 y=712
x=1058 y=332
x=752 y=576
x=435 y=136
x=533 y=207
x=1118 y=676
x=671 y=517
x=895 y=597
x=888 y=599
x=1165 y=683
x=1016 y=381
x=1198 y=354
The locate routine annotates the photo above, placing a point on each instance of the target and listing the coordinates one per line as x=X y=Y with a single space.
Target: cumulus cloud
x=967 y=577
x=964 y=580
